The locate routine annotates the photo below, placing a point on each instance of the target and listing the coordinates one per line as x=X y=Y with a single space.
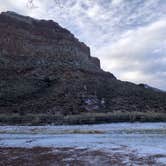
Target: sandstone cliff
x=44 y=69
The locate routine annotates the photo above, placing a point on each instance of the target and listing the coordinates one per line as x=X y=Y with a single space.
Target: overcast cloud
x=129 y=36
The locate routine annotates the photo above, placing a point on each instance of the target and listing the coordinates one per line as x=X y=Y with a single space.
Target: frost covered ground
x=117 y=143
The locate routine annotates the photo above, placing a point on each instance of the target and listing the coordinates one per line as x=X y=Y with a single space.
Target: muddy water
x=140 y=139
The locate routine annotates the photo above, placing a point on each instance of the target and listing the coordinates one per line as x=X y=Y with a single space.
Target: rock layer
x=45 y=69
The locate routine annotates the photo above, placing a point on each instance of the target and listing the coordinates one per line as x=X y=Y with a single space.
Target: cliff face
x=45 y=69
x=31 y=43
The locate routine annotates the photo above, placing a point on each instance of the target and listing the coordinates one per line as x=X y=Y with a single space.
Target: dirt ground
x=71 y=157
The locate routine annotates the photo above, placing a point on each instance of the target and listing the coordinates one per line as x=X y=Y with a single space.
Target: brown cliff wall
x=44 y=69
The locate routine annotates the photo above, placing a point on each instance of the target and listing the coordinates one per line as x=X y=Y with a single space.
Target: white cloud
x=116 y=2
x=134 y=57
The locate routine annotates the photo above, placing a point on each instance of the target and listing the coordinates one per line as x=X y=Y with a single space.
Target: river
x=138 y=139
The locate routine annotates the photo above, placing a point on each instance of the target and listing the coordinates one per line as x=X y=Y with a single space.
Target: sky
x=128 y=36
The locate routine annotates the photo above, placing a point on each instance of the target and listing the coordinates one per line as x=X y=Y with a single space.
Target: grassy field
x=83 y=118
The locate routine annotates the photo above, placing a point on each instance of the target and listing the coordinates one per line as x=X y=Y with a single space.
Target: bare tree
x=31 y=3
x=59 y=3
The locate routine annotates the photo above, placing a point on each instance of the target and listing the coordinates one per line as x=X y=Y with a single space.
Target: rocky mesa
x=45 y=70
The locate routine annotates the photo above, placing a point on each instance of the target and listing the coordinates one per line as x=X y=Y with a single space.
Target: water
x=143 y=138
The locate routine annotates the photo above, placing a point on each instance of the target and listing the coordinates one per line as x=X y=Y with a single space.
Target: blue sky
x=129 y=36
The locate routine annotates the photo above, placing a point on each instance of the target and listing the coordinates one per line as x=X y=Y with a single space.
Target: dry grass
x=69 y=156
x=83 y=118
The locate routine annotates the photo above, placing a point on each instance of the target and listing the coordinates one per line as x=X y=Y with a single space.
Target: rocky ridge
x=44 y=69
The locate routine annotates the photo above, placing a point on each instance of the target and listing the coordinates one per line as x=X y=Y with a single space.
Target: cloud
x=139 y=55
x=128 y=36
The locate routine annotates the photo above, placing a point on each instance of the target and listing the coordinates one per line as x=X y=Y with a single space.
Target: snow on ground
x=141 y=138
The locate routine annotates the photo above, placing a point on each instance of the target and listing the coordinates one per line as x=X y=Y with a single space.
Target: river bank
x=117 y=143
x=82 y=118
x=73 y=156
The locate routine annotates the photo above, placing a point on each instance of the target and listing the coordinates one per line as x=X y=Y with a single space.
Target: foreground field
x=120 y=144
x=71 y=156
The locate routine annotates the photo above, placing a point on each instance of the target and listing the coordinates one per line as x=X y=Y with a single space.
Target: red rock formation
x=45 y=69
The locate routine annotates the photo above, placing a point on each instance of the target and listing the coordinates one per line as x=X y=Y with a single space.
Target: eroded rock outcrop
x=45 y=69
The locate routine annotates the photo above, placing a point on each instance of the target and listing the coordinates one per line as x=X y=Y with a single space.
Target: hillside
x=49 y=76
